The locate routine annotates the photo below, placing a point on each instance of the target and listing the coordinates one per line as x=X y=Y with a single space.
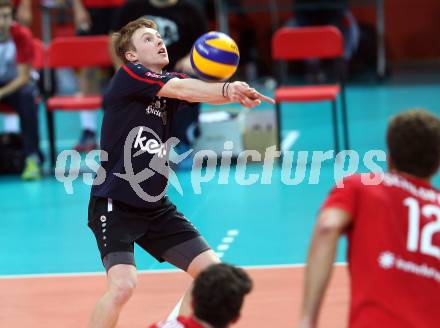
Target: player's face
x=150 y=51
x=5 y=21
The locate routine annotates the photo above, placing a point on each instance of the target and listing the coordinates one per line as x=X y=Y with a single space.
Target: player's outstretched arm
x=193 y=90
x=331 y=224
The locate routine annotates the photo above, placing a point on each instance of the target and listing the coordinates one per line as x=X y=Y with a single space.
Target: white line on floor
x=289 y=140
x=92 y=274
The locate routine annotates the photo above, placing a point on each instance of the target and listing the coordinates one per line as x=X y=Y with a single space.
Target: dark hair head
x=5 y=3
x=123 y=39
x=413 y=140
x=218 y=294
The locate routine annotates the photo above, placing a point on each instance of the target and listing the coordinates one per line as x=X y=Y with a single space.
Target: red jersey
x=180 y=322
x=102 y=3
x=22 y=38
x=19 y=49
x=393 y=250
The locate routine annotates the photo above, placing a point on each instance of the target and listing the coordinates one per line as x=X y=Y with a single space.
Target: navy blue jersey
x=135 y=130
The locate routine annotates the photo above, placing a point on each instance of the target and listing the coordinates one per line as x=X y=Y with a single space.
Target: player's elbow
x=323 y=229
x=332 y=222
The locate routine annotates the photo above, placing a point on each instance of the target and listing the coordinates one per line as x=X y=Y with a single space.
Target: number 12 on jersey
x=428 y=230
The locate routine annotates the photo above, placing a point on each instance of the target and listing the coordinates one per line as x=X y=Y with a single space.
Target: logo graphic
x=151 y=146
x=159 y=164
x=386 y=260
x=151 y=74
x=158 y=107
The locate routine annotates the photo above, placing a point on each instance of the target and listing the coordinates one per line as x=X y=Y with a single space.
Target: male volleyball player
x=141 y=98
x=393 y=230
x=218 y=297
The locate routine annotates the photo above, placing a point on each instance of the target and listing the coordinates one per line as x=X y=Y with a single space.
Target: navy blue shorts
x=117 y=226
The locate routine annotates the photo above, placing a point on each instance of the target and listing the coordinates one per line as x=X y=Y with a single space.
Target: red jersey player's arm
x=24 y=12
x=331 y=224
x=23 y=77
x=193 y=90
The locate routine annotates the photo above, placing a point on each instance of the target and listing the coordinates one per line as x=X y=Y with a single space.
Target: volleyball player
x=142 y=98
x=393 y=227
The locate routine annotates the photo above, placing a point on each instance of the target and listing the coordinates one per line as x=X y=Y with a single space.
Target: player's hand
x=82 y=18
x=248 y=97
x=183 y=65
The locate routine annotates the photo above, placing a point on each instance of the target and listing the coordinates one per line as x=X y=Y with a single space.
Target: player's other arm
x=193 y=90
x=331 y=224
x=81 y=16
x=24 y=12
x=23 y=77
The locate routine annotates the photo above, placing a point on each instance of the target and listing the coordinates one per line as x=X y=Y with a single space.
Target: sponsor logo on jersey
x=153 y=75
x=151 y=146
x=158 y=108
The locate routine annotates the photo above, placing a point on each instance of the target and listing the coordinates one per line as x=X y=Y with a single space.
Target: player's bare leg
x=122 y=279
x=197 y=265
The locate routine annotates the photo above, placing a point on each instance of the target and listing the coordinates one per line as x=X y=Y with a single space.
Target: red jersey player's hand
x=248 y=97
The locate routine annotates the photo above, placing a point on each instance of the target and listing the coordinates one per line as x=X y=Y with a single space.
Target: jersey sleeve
x=144 y=83
x=181 y=103
x=344 y=198
x=24 y=44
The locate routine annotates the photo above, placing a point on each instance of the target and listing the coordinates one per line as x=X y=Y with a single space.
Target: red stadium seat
x=75 y=52
x=6 y=109
x=323 y=42
x=75 y=103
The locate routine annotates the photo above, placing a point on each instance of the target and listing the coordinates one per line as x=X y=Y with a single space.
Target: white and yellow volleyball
x=215 y=56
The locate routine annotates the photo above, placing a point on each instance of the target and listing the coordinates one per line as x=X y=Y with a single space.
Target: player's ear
x=236 y=318
x=390 y=163
x=131 y=55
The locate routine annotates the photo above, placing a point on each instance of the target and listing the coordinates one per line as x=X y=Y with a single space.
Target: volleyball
x=215 y=56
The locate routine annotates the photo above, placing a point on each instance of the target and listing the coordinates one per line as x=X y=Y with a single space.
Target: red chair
x=37 y=63
x=323 y=42
x=74 y=52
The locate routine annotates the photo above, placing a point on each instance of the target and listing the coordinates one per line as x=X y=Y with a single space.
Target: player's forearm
x=193 y=90
x=77 y=4
x=24 y=12
x=13 y=86
x=25 y=4
x=318 y=271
